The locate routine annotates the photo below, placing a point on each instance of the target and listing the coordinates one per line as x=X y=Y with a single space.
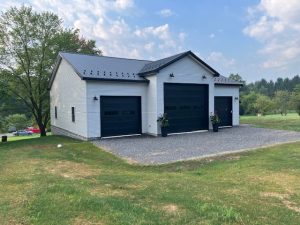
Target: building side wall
x=68 y=90
x=232 y=91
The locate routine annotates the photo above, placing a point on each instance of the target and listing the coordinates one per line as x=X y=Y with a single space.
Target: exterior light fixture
x=171 y=75
x=236 y=98
x=95 y=98
x=203 y=77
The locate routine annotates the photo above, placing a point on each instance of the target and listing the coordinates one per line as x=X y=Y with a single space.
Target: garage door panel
x=223 y=107
x=120 y=115
x=186 y=106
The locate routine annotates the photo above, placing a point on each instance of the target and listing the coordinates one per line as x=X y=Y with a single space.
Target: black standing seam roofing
x=94 y=67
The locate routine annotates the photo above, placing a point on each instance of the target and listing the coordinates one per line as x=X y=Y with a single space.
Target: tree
x=29 y=44
x=263 y=104
x=247 y=105
x=19 y=121
x=236 y=77
x=295 y=99
x=282 y=101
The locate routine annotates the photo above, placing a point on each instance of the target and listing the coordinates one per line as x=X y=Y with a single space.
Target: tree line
x=263 y=97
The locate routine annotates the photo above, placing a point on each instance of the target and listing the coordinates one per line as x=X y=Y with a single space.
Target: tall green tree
x=282 y=100
x=263 y=104
x=29 y=44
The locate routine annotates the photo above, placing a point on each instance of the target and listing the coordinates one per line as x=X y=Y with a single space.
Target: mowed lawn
x=289 y=122
x=81 y=184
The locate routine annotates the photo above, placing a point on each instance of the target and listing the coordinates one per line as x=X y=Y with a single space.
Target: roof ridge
x=95 y=55
x=172 y=55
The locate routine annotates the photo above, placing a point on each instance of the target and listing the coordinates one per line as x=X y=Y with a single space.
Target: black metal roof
x=155 y=66
x=104 y=68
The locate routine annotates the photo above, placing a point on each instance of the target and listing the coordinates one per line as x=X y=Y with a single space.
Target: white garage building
x=99 y=96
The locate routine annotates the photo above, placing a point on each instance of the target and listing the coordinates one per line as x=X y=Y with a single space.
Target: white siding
x=186 y=70
x=107 y=88
x=234 y=92
x=68 y=90
x=152 y=126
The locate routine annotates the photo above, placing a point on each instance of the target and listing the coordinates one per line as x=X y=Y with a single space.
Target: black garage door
x=223 y=107
x=186 y=106
x=120 y=115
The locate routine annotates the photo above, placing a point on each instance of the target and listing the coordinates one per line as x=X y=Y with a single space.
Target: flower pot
x=215 y=127
x=164 y=132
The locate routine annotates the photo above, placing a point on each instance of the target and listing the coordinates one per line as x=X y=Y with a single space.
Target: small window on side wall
x=73 y=114
x=55 y=112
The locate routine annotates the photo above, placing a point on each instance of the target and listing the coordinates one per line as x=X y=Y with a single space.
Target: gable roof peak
x=156 y=66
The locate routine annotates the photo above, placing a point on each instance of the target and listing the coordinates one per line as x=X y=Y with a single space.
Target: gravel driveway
x=157 y=150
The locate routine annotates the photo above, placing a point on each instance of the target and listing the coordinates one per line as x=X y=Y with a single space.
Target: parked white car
x=23 y=133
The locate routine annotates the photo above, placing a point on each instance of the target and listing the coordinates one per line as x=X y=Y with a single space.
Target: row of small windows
x=73 y=113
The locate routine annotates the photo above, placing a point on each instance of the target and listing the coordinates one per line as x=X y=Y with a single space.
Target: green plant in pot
x=215 y=121
x=164 y=123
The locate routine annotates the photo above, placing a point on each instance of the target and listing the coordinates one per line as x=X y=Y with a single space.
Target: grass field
x=81 y=184
x=289 y=122
x=17 y=138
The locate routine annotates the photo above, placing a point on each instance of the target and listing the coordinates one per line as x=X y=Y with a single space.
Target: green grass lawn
x=17 y=138
x=81 y=184
x=289 y=122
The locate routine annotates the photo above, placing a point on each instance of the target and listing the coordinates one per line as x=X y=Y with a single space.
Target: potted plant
x=164 y=123
x=215 y=120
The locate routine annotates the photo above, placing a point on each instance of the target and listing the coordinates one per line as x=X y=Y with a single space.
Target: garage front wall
x=230 y=91
x=185 y=70
x=108 y=88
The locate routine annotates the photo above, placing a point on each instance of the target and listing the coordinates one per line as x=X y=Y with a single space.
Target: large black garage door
x=223 y=107
x=120 y=115
x=186 y=106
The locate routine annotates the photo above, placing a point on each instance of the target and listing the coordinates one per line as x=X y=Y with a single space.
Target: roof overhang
x=118 y=80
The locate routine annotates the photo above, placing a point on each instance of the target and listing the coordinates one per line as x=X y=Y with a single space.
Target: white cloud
x=182 y=36
x=166 y=13
x=276 y=24
x=219 y=58
x=212 y=35
x=149 y=46
x=105 y=21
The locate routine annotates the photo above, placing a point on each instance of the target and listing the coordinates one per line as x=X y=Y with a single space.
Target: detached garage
x=116 y=96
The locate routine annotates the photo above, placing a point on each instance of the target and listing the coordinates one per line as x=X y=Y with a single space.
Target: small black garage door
x=186 y=106
x=120 y=115
x=223 y=107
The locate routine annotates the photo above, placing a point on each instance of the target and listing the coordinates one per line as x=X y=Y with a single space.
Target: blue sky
x=255 y=38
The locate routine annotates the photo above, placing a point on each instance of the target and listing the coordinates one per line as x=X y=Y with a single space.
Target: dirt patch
x=275 y=195
x=291 y=206
x=284 y=199
x=171 y=208
x=106 y=191
x=285 y=181
x=72 y=170
x=233 y=191
x=83 y=221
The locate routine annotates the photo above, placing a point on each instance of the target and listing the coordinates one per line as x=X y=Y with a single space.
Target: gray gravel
x=157 y=150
